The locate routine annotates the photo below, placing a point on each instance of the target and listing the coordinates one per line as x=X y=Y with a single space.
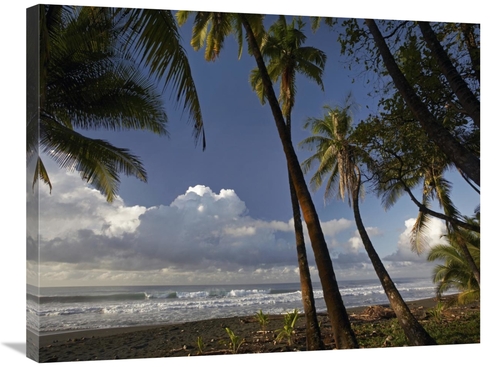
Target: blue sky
x=164 y=232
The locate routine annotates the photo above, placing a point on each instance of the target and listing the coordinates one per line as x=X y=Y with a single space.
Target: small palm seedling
x=263 y=320
x=437 y=312
x=288 y=329
x=200 y=345
x=235 y=341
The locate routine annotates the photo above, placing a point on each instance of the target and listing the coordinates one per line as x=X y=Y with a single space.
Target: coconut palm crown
x=90 y=79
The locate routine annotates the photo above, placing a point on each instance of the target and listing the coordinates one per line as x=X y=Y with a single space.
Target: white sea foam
x=102 y=307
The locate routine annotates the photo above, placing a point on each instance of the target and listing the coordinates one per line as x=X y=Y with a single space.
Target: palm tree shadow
x=18 y=347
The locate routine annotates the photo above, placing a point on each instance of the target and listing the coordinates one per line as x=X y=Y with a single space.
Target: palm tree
x=401 y=158
x=465 y=160
x=88 y=82
x=338 y=164
x=455 y=272
x=206 y=26
x=286 y=56
x=467 y=99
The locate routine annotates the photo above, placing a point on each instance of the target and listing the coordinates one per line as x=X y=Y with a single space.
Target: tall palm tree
x=464 y=159
x=455 y=272
x=467 y=99
x=338 y=164
x=282 y=48
x=285 y=55
x=206 y=27
x=87 y=81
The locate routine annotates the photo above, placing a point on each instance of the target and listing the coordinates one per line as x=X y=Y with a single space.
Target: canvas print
x=209 y=183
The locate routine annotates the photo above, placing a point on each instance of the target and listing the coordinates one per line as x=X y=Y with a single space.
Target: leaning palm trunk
x=467 y=99
x=313 y=332
x=414 y=332
x=343 y=333
x=470 y=262
x=464 y=159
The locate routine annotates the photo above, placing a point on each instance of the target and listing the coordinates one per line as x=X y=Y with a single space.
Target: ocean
x=59 y=309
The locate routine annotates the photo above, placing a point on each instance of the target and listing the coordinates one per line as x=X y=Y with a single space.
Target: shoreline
x=180 y=339
x=46 y=337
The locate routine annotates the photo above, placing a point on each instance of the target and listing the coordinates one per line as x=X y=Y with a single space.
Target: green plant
x=460 y=264
x=263 y=320
x=463 y=330
x=200 y=345
x=235 y=341
x=288 y=329
x=437 y=312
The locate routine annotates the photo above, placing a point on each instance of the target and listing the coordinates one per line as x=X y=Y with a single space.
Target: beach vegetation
x=460 y=328
x=452 y=327
x=200 y=345
x=288 y=329
x=235 y=341
x=263 y=319
x=455 y=272
x=436 y=312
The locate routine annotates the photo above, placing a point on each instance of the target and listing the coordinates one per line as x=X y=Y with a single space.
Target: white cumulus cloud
x=202 y=235
x=434 y=233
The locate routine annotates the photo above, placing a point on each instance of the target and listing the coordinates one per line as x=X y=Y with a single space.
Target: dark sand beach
x=181 y=339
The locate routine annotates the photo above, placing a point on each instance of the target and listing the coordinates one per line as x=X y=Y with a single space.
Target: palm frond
x=337 y=158
x=285 y=57
x=41 y=174
x=332 y=184
x=444 y=252
x=98 y=162
x=419 y=238
x=90 y=82
x=117 y=98
x=316 y=22
x=455 y=272
x=257 y=85
x=468 y=296
x=154 y=38
x=390 y=193
x=443 y=193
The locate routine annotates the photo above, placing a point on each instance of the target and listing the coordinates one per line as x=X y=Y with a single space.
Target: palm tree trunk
x=414 y=332
x=456 y=152
x=313 y=332
x=474 y=52
x=449 y=219
x=343 y=333
x=467 y=99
